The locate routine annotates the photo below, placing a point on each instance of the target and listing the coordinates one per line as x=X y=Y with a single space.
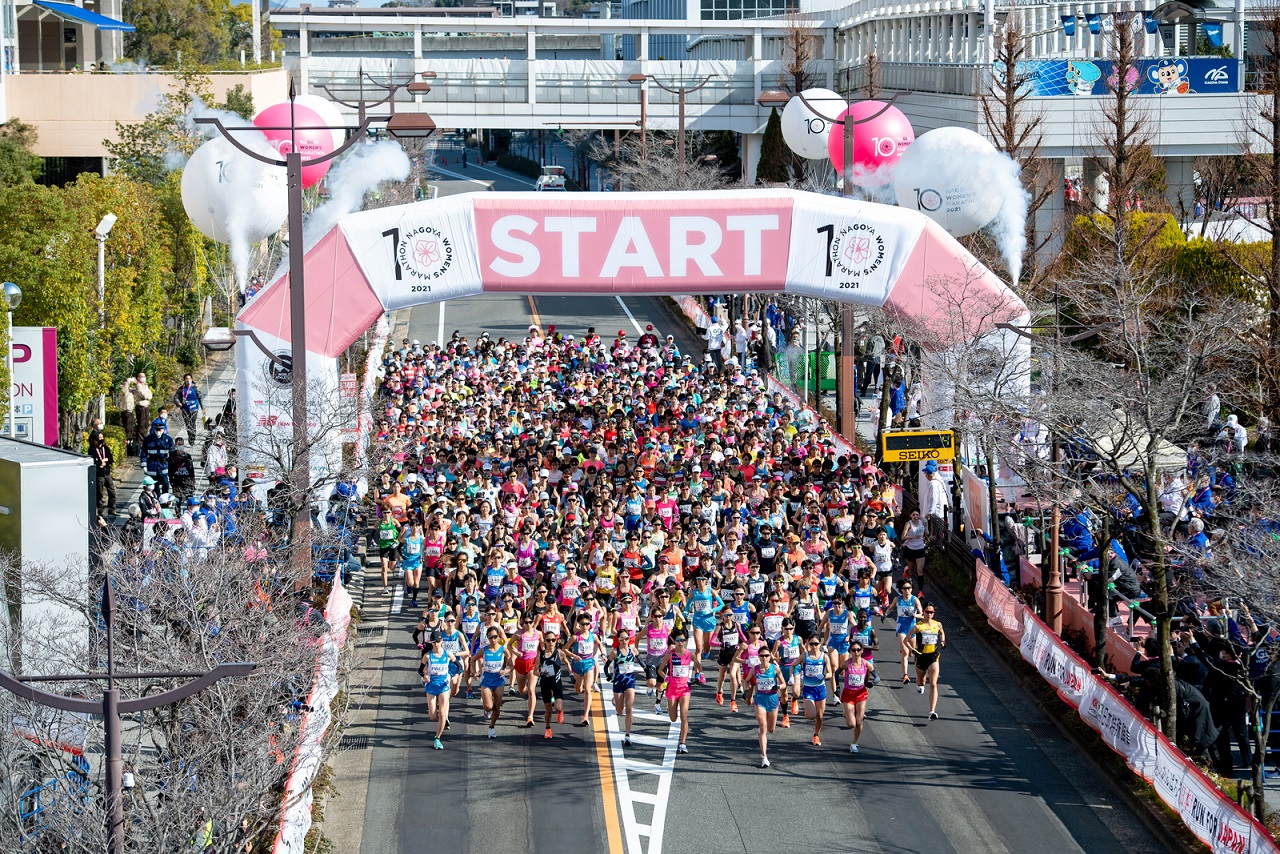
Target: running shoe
x=817 y=742
x=528 y=723
x=795 y=707
x=719 y=699
x=437 y=745
x=626 y=741
x=906 y=680
x=582 y=723
x=682 y=749
x=547 y=734
x=657 y=708
x=764 y=762
x=933 y=716
x=560 y=716
x=919 y=689
x=446 y=723
x=853 y=748
x=733 y=705
x=786 y=721
x=492 y=734
x=386 y=590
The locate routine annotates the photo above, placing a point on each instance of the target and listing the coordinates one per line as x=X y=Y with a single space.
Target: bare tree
x=208 y=768
x=659 y=170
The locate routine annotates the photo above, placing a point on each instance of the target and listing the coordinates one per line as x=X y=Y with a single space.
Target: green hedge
x=114 y=436
x=520 y=165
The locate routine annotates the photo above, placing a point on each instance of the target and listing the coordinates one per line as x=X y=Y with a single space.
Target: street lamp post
x=111 y=707
x=681 y=92
x=13 y=299
x=100 y=235
x=293 y=164
x=391 y=87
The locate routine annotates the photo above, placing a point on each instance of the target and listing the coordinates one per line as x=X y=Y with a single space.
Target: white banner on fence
x=296 y=820
x=1056 y=663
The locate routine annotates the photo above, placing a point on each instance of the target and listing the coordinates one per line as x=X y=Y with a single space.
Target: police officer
x=189 y=402
x=156 y=450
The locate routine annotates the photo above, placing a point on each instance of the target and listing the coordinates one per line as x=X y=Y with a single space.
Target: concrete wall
x=457 y=47
x=74 y=113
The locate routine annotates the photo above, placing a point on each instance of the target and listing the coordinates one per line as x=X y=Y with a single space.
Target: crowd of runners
x=572 y=513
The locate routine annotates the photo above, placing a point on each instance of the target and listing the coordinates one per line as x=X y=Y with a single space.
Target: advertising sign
x=911 y=446
x=1196 y=75
x=35 y=384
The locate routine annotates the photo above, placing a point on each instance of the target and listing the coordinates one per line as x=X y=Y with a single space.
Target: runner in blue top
x=583 y=649
x=863 y=593
x=908 y=606
x=456 y=645
x=813 y=685
x=434 y=670
x=788 y=650
x=495 y=664
x=626 y=664
x=837 y=623
x=704 y=603
x=770 y=688
x=411 y=559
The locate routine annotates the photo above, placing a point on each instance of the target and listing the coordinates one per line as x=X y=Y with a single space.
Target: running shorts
x=492 y=681
x=925 y=660
x=726 y=656
x=551 y=690
x=583 y=667
x=624 y=682
x=651 y=665
x=768 y=702
x=676 y=691
x=454 y=668
x=704 y=622
x=526 y=665
x=813 y=692
x=909 y=553
x=906 y=625
x=853 y=695
x=840 y=643
x=389 y=552
x=435 y=689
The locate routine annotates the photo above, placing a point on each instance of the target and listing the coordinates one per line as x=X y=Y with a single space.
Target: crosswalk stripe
x=633 y=830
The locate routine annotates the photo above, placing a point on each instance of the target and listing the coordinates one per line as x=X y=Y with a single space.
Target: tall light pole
x=100 y=235
x=111 y=707
x=681 y=92
x=391 y=87
x=12 y=299
x=406 y=125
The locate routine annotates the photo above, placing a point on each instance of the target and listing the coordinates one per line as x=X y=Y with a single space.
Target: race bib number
x=682 y=671
x=438 y=669
x=765 y=683
x=813 y=671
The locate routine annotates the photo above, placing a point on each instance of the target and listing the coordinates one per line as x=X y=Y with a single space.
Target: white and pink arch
x=731 y=241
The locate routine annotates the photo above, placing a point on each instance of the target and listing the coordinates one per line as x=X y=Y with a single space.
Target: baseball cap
x=931 y=467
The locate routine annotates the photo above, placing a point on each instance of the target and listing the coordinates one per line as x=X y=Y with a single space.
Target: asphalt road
x=992 y=775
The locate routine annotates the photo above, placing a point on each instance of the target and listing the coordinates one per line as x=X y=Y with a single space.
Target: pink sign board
x=35 y=383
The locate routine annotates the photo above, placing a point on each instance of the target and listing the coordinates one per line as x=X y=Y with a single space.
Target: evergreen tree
x=774 y=154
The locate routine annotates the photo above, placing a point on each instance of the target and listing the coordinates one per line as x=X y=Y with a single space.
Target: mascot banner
x=1183 y=75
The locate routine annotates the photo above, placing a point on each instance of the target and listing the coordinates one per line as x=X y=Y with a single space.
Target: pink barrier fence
x=296 y=814
x=1077 y=616
x=1213 y=817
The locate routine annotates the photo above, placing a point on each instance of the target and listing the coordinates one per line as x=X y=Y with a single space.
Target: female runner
x=813 y=686
x=704 y=603
x=907 y=605
x=927 y=641
x=677 y=669
x=729 y=636
x=584 y=649
x=434 y=670
x=769 y=689
x=657 y=640
x=858 y=678
x=495 y=663
x=913 y=548
x=527 y=645
x=626 y=664
x=837 y=623
x=551 y=665
x=411 y=559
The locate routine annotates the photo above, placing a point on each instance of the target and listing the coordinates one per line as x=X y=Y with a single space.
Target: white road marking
x=632 y=829
x=440 y=335
x=632 y=317
x=397 y=599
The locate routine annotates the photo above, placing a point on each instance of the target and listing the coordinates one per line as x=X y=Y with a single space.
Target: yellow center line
x=533 y=309
x=612 y=824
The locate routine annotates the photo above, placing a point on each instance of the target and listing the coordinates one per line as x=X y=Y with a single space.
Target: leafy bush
x=114 y=436
x=520 y=165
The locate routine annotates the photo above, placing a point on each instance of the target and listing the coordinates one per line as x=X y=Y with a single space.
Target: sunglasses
x=856 y=648
x=813 y=643
x=754 y=632
x=493 y=637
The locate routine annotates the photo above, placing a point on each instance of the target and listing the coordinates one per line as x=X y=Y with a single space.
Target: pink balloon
x=877 y=143
x=311 y=143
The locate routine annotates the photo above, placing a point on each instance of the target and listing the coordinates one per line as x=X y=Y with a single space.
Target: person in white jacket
x=934 y=500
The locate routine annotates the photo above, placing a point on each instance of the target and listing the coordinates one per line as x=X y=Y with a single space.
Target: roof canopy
x=80 y=15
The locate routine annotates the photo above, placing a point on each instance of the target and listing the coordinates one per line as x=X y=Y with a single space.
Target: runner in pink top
x=679 y=667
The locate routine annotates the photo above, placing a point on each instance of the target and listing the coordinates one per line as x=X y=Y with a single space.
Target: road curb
x=1168 y=832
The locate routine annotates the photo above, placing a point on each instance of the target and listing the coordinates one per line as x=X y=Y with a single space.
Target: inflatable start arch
x=731 y=241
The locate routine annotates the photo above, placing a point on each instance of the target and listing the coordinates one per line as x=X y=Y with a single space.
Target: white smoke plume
x=354 y=176
x=1010 y=227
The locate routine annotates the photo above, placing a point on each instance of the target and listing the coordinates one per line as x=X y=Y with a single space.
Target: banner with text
x=1195 y=75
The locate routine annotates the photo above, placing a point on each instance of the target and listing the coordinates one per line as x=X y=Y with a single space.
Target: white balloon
x=230 y=196
x=328 y=111
x=951 y=175
x=805 y=127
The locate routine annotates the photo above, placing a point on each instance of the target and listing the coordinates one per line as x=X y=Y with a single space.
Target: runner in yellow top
x=927 y=640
